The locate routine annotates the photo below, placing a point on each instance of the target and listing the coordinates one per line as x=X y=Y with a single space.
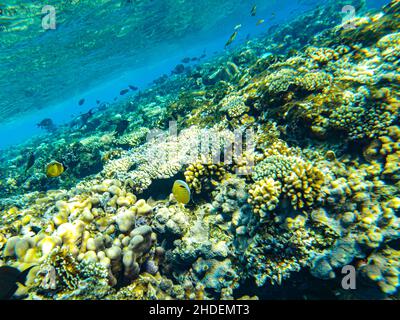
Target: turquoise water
x=99 y=47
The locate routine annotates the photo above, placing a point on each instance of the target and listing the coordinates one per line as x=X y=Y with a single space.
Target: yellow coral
x=264 y=196
x=303 y=186
x=204 y=172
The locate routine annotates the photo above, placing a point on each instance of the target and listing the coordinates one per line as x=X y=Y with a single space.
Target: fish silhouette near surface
x=9 y=279
x=81 y=102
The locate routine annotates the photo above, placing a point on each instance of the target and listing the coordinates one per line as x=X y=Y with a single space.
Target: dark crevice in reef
x=160 y=189
x=394 y=244
x=301 y=286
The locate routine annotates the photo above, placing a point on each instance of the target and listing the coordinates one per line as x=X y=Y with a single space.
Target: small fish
x=253 y=11
x=123 y=92
x=81 y=102
x=97 y=101
x=9 y=279
x=121 y=127
x=180 y=68
x=133 y=88
x=54 y=169
x=47 y=124
x=232 y=38
x=185 y=60
x=237 y=27
x=261 y=21
x=30 y=162
x=181 y=191
x=86 y=116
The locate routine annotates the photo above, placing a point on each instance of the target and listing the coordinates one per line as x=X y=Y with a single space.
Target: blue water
x=62 y=105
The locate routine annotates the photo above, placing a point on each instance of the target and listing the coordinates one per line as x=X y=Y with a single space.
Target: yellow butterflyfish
x=181 y=191
x=54 y=169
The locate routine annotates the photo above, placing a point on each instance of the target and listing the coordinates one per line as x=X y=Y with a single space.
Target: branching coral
x=303 y=186
x=264 y=196
x=295 y=179
x=203 y=174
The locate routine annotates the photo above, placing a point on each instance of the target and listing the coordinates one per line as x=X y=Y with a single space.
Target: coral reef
x=317 y=189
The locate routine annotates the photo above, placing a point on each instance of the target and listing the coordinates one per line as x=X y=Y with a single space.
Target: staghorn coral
x=322 y=55
x=280 y=172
